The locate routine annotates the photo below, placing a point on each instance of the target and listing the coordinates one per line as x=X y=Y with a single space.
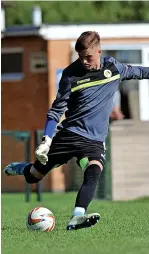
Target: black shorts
x=66 y=145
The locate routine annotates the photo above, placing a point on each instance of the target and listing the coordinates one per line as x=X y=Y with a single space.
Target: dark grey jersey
x=87 y=96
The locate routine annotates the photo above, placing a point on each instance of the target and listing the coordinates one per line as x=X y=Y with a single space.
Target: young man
x=86 y=88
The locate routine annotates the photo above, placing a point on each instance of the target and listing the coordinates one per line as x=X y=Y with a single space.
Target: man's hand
x=116 y=114
x=43 y=149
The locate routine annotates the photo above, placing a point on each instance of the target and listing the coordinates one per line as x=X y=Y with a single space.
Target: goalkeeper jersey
x=86 y=97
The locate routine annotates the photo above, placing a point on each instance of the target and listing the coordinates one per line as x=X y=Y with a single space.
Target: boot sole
x=86 y=224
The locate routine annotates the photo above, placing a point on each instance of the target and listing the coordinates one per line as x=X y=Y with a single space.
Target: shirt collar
x=101 y=62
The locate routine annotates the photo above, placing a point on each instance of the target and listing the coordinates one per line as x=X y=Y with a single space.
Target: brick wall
x=23 y=101
x=130 y=159
x=58 y=58
x=24 y=106
x=12 y=150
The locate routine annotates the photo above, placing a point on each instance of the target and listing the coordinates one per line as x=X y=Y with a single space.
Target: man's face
x=90 y=58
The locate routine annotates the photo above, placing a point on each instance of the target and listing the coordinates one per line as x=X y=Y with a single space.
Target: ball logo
x=107 y=73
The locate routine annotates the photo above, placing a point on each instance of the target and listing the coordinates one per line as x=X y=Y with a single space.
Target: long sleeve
x=59 y=105
x=128 y=72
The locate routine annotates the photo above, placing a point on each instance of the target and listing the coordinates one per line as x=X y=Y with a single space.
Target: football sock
x=78 y=211
x=28 y=176
x=87 y=190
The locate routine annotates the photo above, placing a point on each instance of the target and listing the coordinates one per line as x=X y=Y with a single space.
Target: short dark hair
x=86 y=40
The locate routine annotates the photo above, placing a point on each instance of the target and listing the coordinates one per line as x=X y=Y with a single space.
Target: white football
x=41 y=219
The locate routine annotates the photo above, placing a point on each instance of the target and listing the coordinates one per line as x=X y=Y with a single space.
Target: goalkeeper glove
x=42 y=150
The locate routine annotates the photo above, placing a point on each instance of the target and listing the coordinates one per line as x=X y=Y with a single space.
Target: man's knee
x=84 y=163
x=32 y=175
x=36 y=173
x=96 y=163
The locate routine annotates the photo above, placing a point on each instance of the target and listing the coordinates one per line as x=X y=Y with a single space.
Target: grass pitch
x=123 y=228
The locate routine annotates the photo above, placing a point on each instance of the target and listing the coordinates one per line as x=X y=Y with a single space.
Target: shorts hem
x=85 y=136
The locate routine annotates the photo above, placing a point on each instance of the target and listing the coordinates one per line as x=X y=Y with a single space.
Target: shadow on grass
x=21 y=230
x=142 y=199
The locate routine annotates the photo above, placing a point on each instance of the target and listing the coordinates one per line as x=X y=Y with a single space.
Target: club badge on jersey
x=107 y=73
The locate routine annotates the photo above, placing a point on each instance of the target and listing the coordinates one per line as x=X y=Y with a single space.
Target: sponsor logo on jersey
x=83 y=81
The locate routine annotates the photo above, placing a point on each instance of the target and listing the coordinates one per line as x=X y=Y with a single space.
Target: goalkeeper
x=86 y=89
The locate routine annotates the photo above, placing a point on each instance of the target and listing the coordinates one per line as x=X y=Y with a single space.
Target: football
x=41 y=219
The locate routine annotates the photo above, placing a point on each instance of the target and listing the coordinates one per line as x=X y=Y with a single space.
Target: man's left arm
x=116 y=113
x=128 y=72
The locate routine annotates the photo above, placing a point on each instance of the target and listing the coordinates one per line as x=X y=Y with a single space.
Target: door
x=144 y=89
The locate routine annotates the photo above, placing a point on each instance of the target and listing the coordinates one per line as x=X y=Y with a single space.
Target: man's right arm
x=58 y=107
x=53 y=117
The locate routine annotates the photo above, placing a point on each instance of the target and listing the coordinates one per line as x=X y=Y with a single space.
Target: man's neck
x=98 y=66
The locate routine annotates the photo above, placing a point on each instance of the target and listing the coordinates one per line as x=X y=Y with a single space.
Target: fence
x=16 y=147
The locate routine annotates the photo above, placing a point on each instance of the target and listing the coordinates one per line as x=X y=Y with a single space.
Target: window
x=129 y=89
x=38 y=62
x=11 y=64
x=125 y=56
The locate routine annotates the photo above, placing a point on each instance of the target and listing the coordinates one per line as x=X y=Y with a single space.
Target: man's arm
x=128 y=72
x=58 y=107
x=53 y=117
x=116 y=113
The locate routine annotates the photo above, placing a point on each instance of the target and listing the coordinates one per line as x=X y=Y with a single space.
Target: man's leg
x=87 y=190
x=33 y=173
x=16 y=168
x=85 y=195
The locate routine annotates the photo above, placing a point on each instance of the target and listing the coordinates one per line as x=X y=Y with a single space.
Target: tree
x=56 y=12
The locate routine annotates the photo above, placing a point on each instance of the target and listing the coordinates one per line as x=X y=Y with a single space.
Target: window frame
x=33 y=61
x=10 y=77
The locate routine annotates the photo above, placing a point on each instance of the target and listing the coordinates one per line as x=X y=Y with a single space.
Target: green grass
x=123 y=228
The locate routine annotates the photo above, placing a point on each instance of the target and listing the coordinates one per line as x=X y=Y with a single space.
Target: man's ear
x=100 y=51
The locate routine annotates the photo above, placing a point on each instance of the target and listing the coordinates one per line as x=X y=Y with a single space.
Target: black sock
x=28 y=176
x=87 y=190
x=27 y=169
